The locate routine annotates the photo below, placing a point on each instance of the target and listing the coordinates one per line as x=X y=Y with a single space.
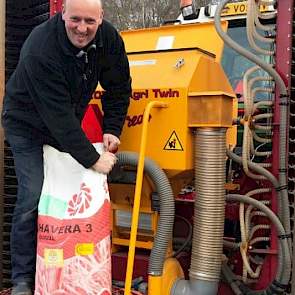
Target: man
x=60 y=64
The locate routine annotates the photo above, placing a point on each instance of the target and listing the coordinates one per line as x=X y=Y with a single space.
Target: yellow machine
x=182 y=103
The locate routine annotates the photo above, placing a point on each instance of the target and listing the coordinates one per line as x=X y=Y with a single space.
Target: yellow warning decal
x=84 y=249
x=54 y=257
x=173 y=143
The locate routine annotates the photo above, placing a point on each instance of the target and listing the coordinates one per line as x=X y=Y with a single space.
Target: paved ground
x=5 y=292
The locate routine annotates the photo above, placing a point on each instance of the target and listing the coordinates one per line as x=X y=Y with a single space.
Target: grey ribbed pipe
x=210 y=154
x=167 y=208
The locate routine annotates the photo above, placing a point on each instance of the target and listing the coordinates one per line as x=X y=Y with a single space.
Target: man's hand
x=111 y=142
x=105 y=163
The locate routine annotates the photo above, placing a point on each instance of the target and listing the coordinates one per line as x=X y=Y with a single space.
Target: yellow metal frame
x=200 y=35
x=124 y=202
x=171 y=76
x=137 y=197
x=162 y=285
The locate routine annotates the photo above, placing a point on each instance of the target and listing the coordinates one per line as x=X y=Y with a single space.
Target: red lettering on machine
x=165 y=93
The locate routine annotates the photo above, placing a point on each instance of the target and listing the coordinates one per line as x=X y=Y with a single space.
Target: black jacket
x=49 y=91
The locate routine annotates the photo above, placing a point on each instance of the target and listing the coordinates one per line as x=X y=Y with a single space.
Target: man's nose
x=82 y=27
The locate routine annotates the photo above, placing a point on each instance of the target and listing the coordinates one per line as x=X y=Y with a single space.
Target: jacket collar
x=66 y=45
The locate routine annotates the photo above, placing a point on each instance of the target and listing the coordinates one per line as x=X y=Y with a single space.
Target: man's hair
x=64 y=2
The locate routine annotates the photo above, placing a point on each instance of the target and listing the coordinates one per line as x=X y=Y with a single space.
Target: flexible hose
x=166 y=221
x=247 y=102
x=253 y=91
x=267 y=2
x=263 y=116
x=276 y=184
x=281 y=281
x=247 y=138
x=246 y=236
x=261 y=154
x=263 y=103
x=284 y=99
x=262 y=26
x=232 y=245
x=262 y=89
x=258 y=227
x=231 y=279
x=250 y=30
x=260 y=170
x=253 y=11
x=210 y=152
x=250 y=194
x=261 y=139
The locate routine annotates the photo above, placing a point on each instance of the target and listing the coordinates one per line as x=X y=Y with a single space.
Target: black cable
x=188 y=238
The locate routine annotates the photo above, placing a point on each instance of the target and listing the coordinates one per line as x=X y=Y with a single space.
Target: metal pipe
x=194 y=287
x=210 y=154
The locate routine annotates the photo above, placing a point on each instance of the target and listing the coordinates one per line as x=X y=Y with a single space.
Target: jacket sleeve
x=48 y=89
x=115 y=80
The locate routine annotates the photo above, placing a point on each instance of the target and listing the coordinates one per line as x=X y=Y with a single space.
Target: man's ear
x=101 y=17
x=63 y=11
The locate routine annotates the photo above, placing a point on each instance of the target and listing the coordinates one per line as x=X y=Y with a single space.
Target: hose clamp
x=286 y=236
x=281 y=188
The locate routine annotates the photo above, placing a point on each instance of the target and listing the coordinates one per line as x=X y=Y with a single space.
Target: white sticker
x=165 y=43
x=136 y=63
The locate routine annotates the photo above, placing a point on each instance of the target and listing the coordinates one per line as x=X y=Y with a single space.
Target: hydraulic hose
x=281 y=280
x=251 y=30
x=284 y=213
x=166 y=221
x=274 y=181
x=260 y=170
x=230 y=278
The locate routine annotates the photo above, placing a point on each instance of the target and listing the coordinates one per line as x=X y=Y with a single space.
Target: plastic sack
x=73 y=244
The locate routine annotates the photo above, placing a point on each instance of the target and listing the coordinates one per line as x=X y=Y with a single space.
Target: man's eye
x=75 y=19
x=90 y=22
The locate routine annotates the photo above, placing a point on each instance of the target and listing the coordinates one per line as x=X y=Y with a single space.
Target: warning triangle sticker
x=173 y=143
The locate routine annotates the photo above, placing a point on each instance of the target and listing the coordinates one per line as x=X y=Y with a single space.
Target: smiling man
x=60 y=65
x=82 y=21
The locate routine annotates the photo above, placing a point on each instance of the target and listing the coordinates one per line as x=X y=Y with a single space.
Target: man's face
x=82 y=19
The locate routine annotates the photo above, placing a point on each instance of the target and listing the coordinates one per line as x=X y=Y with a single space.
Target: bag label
x=84 y=249
x=54 y=257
